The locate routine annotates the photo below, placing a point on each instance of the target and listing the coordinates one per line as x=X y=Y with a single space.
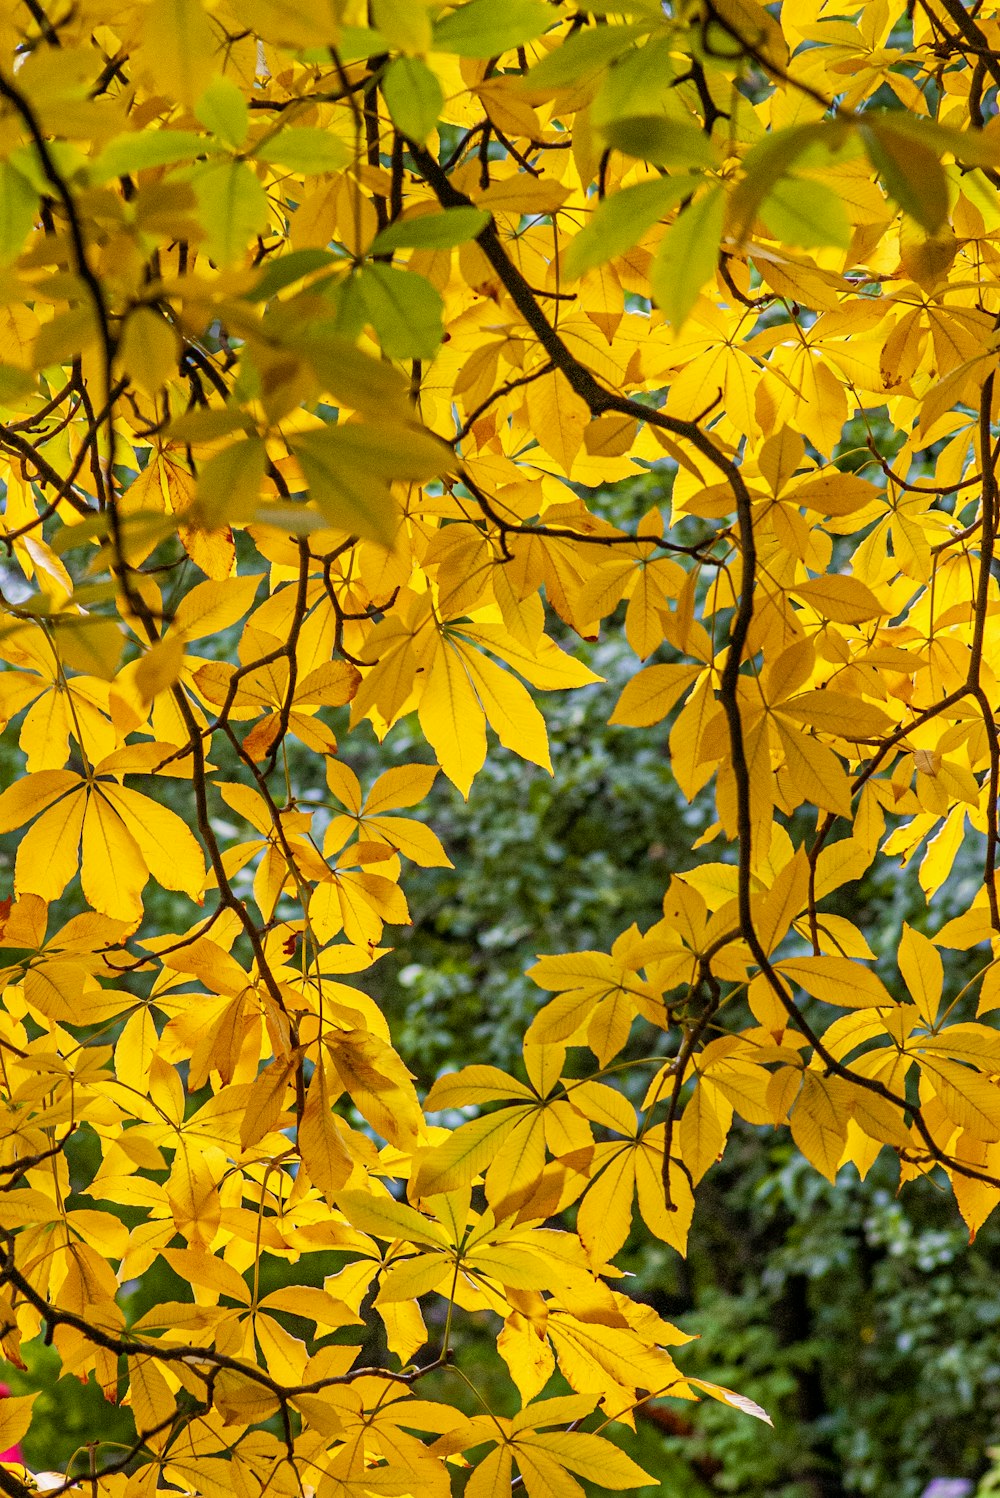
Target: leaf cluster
x=282 y=358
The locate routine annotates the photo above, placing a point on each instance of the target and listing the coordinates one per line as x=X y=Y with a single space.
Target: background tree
x=321 y=328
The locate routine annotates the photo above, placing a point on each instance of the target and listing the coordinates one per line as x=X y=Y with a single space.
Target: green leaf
x=803 y=212
x=432 y=231
x=662 y=140
x=140 y=149
x=640 y=83
x=229 y=484
x=747 y=25
x=68 y=160
x=688 y=255
x=353 y=378
x=15 y=384
x=349 y=468
x=486 y=28
x=18 y=207
x=413 y=97
x=305 y=149
x=971 y=147
x=223 y=110
x=910 y=172
x=407 y=452
x=286 y=270
x=355 y=42
x=208 y=423
x=232 y=208
x=351 y=314
x=405 y=24
x=621 y=219
x=346 y=492
x=768 y=161
x=581 y=57
x=405 y=310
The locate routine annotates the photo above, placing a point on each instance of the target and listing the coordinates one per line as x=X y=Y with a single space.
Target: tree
x=320 y=329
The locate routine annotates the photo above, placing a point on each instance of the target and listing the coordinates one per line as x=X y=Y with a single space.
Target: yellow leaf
x=605 y=1214
x=267 y=1100
x=835 y=712
x=15 y=1418
x=149 y=349
x=558 y=417
x=408 y=1279
x=167 y=846
x=519 y=1164
x=590 y=1457
x=465 y=1153
x=160 y=667
x=972 y=1102
x=815 y=771
x=701 y=1135
x=923 y=972
x=782 y=903
x=323 y=1151
x=152 y=1402
x=474 y=1084
x=211 y=607
x=492 y=1476
x=385 y=1218
x=735 y=1401
x=379 y=1084
x=819 y=1121
x=837 y=980
x=178 y=48
x=113 y=871
x=509 y=709
x=134 y=1049
x=525 y=1350
x=834 y=494
x=846 y=600
x=400 y=786
x=648 y=697
x=32 y=794
x=521 y=194
x=452 y=719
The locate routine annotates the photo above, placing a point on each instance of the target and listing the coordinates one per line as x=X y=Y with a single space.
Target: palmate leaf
x=125 y=838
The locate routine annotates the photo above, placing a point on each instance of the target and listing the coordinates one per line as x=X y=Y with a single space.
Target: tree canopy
x=324 y=327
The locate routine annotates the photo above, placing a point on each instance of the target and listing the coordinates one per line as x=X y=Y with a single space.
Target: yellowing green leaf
x=910 y=170
x=801 y=211
x=223 y=109
x=149 y=350
x=483 y=28
x=620 y=219
x=432 y=231
x=466 y=1153
x=232 y=208
x=18 y=210
x=229 y=484
x=404 y=309
x=687 y=257
x=305 y=149
x=413 y=97
x=661 y=139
